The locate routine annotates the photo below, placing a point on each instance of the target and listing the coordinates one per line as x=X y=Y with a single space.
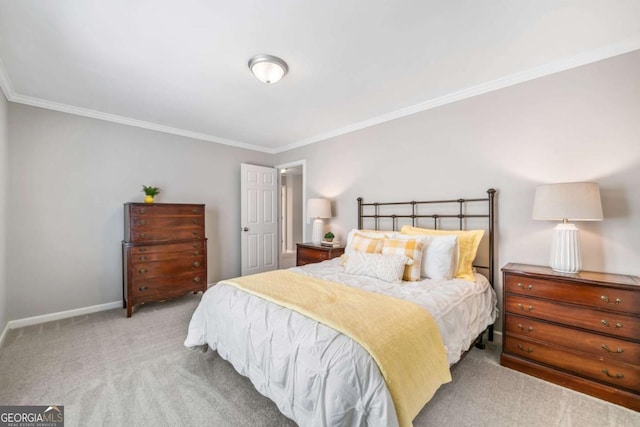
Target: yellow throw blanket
x=401 y=336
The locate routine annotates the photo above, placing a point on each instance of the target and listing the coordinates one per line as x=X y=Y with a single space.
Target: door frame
x=292 y=164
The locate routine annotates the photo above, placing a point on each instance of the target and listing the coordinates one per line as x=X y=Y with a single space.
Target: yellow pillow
x=411 y=248
x=369 y=245
x=469 y=240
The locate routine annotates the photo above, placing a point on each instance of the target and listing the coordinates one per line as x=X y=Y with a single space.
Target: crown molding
x=5 y=82
x=71 y=109
x=500 y=83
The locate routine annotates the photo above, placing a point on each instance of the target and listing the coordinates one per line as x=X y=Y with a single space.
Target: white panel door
x=259 y=218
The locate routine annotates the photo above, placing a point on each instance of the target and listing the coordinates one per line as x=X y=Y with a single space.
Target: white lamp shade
x=318 y=208
x=575 y=201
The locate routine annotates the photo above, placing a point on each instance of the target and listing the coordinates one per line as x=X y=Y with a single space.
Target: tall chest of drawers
x=581 y=331
x=164 y=252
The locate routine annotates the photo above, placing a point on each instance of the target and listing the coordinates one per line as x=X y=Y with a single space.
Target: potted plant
x=150 y=192
x=328 y=237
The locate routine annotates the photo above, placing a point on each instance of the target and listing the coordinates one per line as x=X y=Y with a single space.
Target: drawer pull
x=142 y=271
x=196 y=279
x=529 y=287
x=528 y=349
x=618 y=324
x=523 y=308
x=195 y=245
x=194 y=222
x=618 y=375
x=142 y=210
x=143 y=222
x=606 y=299
x=195 y=252
x=194 y=210
x=142 y=235
x=143 y=258
x=143 y=249
x=195 y=233
x=143 y=288
x=529 y=329
x=196 y=264
x=606 y=348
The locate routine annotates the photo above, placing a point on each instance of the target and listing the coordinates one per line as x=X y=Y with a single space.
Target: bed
x=325 y=375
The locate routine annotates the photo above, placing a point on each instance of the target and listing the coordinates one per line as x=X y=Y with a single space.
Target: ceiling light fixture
x=267 y=68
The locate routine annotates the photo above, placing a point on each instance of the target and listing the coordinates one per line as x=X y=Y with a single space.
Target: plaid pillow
x=361 y=243
x=410 y=248
x=468 y=240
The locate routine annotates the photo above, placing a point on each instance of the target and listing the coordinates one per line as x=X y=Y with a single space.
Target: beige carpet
x=113 y=371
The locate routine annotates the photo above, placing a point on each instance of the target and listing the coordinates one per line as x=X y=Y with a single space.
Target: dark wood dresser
x=308 y=253
x=164 y=252
x=581 y=331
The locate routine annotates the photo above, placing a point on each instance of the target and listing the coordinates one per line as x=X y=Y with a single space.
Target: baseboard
x=28 y=321
x=4 y=334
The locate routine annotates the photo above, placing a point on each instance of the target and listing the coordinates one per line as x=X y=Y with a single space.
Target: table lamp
x=318 y=209
x=575 y=201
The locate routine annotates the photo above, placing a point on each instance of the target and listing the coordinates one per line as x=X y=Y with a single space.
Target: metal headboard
x=461 y=214
x=415 y=216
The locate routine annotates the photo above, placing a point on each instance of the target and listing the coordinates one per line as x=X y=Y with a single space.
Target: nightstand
x=581 y=331
x=308 y=253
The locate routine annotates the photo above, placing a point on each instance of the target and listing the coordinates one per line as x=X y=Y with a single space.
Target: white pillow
x=439 y=255
x=369 y=234
x=389 y=268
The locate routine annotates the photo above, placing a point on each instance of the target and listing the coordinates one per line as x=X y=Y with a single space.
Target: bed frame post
x=359 y=213
x=492 y=193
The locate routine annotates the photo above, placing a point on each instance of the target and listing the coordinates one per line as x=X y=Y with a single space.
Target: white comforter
x=317 y=376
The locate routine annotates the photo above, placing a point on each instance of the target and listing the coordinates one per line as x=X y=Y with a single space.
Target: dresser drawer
x=146 y=270
x=166 y=234
x=139 y=211
x=594 y=320
x=312 y=255
x=169 y=284
x=598 y=345
x=196 y=245
x=603 y=370
x=308 y=253
x=142 y=222
x=593 y=296
x=165 y=255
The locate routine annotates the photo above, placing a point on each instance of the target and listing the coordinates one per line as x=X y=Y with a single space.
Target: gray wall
x=69 y=176
x=4 y=175
x=579 y=125
x=297 y=202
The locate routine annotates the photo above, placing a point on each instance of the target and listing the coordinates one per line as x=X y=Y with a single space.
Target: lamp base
x=565 y=249
x=318 y=228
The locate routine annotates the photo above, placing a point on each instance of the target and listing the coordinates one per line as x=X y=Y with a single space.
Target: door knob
x=244 y=229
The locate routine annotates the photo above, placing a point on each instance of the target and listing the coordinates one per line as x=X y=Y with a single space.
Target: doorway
x=292 y=211
x=259 y=219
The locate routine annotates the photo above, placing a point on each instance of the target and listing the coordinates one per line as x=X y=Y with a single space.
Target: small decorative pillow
x=439 y=255
x=389 y=268
x=468 y=241
x=371 y=234
x=360 y=243
x=411 y=248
